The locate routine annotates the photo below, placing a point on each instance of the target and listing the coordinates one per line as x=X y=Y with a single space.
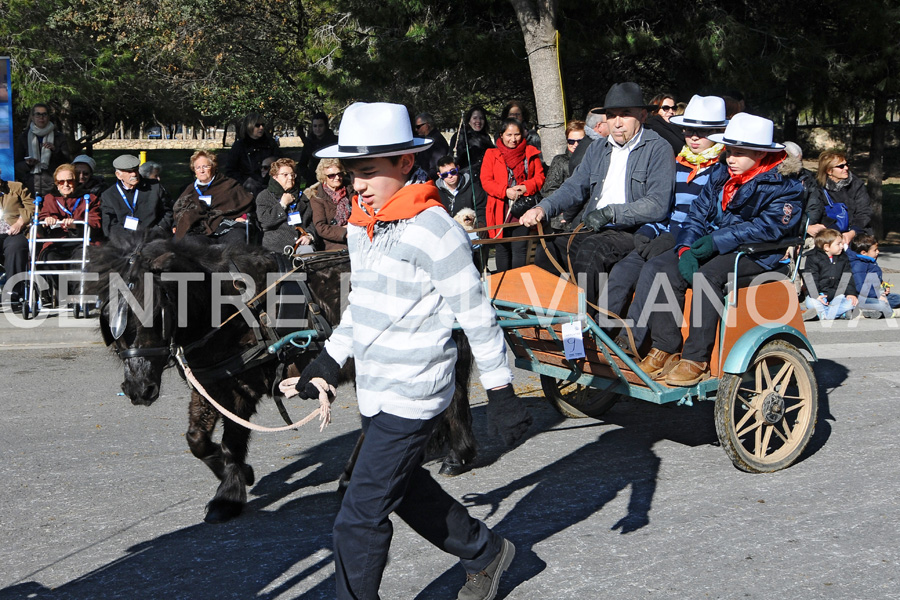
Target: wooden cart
x=762 y=381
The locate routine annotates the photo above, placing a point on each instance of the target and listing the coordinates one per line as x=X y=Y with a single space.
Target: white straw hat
x=374 y=129
x=703 y=112
x=748 y=131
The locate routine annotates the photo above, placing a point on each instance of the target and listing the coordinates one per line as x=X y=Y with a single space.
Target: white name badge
x=294 y=218
x=131 y=223
x=573 y=340
x=207 y=199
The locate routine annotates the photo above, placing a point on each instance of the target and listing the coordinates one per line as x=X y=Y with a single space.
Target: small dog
x=466 y=218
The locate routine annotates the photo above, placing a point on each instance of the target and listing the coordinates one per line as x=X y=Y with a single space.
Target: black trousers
x=389 y=478
x=591 y=254
x=712 y=281
x=14 y=254
x=513 y=254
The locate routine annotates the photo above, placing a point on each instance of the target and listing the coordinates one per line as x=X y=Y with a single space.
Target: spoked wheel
x=576 y=401
x=766 y=416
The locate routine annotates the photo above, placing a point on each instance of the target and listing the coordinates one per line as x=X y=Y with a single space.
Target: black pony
x=175 y=288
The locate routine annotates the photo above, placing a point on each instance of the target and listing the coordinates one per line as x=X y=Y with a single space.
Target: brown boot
x=687 y=373
x=658 y=363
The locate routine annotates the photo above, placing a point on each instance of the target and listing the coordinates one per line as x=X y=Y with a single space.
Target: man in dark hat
x=624 y=181
x=133 y=203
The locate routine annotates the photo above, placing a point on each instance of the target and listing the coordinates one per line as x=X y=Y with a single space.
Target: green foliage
x=103 y=62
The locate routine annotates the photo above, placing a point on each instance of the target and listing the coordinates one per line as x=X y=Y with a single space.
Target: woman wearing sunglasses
x=59 y=211
x=330 y=201
x=843 y=187
x=659 y=120
x=253 y=144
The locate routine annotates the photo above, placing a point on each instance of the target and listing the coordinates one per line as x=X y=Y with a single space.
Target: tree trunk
x=876 y=162
x=537 y=18
x=791 y=117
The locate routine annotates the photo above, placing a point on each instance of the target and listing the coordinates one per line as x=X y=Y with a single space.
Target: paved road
x=102 y=499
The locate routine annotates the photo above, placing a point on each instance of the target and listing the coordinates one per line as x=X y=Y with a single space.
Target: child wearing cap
x=411 y=277
x=753 y=197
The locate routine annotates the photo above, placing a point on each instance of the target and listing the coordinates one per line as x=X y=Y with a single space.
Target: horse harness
x=263 y=326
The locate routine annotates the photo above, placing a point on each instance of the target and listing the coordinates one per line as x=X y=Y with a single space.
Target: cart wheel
x=766 y=416
x=76 y=310
x=576 y=401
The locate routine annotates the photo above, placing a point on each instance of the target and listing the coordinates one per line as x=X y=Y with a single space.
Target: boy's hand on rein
x=323 y=367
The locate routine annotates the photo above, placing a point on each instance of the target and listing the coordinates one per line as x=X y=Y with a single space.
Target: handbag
x=837 y=212
x=524 y=204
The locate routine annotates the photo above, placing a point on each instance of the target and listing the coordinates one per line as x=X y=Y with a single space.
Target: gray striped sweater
x=408 y=285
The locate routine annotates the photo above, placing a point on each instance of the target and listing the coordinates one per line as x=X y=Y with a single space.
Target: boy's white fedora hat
x=374 y=129
x=748 y=131
x=703 y=112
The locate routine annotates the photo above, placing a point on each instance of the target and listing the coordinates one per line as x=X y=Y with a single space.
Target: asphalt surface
x=102 y=499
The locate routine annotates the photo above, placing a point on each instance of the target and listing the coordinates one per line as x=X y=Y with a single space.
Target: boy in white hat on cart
x=753 y=196
x=411 y=276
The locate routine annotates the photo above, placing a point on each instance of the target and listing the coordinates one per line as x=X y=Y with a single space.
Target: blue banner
x=7 y=164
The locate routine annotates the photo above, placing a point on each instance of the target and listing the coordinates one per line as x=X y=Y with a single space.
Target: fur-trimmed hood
x=791 y=166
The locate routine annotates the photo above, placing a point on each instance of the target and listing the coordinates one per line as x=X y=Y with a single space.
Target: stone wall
x=178 y=144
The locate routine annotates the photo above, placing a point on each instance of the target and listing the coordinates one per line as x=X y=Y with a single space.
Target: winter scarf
x=698 y=162
x=768 y=162
x=36 y=148
x=405 y=204
x=514 y=158
x=341 y=206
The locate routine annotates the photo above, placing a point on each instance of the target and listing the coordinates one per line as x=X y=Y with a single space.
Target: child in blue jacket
x=875 y=299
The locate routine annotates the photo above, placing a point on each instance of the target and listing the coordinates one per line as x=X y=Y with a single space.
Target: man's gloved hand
x=640 y=242
x=703 y=248
x=687 y=266
x=665 y=241
x=507 y=415
x=325 y=367
x=598 y=219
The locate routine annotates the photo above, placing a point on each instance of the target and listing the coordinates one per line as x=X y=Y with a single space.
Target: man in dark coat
x=133 y=203
x=428 y=160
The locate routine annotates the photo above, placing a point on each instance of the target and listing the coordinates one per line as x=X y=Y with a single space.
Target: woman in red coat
x=511 y=171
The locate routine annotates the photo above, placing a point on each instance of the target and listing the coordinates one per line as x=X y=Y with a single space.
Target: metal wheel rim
x=773 y=374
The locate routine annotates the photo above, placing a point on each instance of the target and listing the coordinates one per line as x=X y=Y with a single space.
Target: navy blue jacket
x=867 y=275
x=767 y=208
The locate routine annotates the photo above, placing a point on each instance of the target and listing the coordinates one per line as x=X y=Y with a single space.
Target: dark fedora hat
x=625 y=95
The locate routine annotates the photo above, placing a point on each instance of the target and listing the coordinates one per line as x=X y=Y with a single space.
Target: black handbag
x=524 y=204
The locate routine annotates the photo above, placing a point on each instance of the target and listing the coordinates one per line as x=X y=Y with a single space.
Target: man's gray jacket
x=649 y=177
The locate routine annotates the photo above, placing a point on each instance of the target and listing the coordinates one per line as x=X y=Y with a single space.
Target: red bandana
x=768 y=162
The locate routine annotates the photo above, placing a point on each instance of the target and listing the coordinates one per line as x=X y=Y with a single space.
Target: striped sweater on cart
x=408 y=285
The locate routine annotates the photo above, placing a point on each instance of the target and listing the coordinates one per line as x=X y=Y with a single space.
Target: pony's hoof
x=249 y=475
x=452 y=468
x=221 y=511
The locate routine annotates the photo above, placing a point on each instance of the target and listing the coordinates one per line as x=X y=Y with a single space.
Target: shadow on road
x=259 y=555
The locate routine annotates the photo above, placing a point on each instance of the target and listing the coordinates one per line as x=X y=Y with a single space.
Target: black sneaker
x=484 y=584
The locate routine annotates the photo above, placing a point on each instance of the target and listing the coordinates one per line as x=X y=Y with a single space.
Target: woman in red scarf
x=511 y=171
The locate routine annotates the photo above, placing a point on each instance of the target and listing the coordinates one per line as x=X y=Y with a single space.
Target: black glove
x=507 y=415
x=598 y=219
x=665 y=241
x=640 y=242
x=703 y=248
x=324 y=367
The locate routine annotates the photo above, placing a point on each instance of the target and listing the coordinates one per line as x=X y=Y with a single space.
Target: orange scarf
x=768 y=162
x=405 y=204
x=695 y=167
